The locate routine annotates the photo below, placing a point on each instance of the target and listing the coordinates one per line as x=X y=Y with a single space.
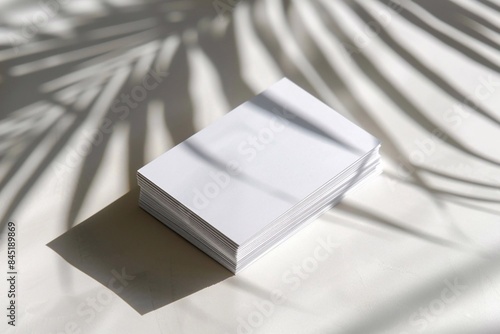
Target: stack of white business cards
x=258 y=174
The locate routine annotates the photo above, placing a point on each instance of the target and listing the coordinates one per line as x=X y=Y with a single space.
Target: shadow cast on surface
x=159 y=266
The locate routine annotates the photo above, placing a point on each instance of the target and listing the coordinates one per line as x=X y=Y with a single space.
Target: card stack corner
x=257 y=175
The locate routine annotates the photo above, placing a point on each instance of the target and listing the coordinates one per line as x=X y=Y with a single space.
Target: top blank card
x=258 y=161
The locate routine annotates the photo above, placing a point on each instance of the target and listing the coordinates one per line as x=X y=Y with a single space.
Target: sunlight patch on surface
x=112 y=173
x=480 y=10
x=205 y=86
x=86 y=7
x=158 y=139
x=437 y=24
x=293 y=51
x=64 y=58
x=36 y=157
x=258 y=69
x=85 y=99
x=175 y=16
x=143 y=66
x=121 y=29
x=166 y=53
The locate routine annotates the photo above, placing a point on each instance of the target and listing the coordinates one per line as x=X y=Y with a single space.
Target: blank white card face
x=258 y=161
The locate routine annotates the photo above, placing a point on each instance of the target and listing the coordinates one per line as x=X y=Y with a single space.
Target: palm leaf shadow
x=178 y=118
x=400 y=99
x=223 y=52
x=444 y=38
x=443 y=84
x=457 y=17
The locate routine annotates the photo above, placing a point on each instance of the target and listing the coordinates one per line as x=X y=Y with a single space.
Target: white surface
x=397 y=244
